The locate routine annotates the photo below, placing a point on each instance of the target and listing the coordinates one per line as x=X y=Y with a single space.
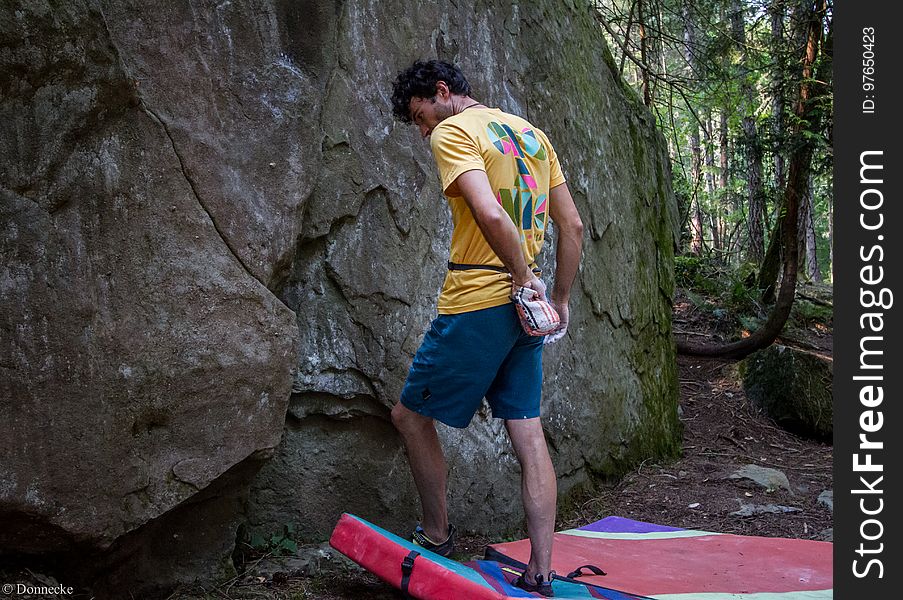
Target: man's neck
x=460 y=103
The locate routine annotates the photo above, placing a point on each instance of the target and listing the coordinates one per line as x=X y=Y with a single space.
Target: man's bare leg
x=539 y=491
x=427 y=466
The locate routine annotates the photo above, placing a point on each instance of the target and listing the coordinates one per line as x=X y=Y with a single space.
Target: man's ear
x=442 y=90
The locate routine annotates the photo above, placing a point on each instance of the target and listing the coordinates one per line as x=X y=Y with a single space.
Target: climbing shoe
x=539 y=586
x=445 y=548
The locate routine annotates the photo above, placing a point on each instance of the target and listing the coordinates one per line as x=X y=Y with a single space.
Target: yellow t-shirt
x=521 y=166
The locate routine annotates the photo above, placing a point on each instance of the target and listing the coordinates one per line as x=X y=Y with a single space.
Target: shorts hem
x=422 y=411
x=518 y=417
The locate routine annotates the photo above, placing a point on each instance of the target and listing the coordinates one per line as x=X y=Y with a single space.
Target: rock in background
x=793 y=387
x=215 y=237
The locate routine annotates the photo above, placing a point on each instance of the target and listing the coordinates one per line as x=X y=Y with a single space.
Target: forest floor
x=722 y=432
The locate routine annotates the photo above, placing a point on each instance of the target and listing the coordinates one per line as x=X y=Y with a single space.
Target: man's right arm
x=497 y=227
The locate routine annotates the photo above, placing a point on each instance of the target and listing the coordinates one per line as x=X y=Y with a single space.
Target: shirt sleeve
x=556 y=176
x=455 y=152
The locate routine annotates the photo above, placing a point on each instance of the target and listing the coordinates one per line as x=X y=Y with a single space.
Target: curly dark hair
x=419 y=81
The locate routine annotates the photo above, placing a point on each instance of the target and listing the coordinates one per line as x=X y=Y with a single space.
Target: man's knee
x=398 y=416
x=406 y=420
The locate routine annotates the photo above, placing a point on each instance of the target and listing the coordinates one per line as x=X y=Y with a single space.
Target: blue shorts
x=468 y=356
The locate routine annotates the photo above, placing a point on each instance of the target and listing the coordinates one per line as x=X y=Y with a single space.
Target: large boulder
x=371 y=259
x=144 y=358
x=793 y=387
x=215 y=237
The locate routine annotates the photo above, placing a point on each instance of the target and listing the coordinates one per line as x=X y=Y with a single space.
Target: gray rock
x=770 y=479
x=792 y=387
x=751 y=510
x=310 y=560
x=145 y=358
x=827 y=498
x=370 y=261
x=220 y=241
x=827 y=535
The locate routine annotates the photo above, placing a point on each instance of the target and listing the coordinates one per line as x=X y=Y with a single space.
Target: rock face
x=214 y=237
x=793 y=388
x=371 y=257
x=145 y=359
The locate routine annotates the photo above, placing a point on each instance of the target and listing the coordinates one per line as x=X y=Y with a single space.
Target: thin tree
x=805 y=129
x=751 y=143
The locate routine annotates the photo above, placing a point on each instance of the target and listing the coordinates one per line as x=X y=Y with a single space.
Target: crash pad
x=434 y=577
x=671 y=563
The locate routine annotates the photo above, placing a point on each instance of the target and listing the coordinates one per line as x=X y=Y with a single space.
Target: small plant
x=805 y=312
x=727 y=293
x=278 y=543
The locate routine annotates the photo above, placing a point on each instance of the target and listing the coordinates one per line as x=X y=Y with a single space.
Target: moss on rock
x=793 y=387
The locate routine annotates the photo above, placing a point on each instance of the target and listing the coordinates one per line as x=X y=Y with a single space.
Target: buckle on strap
x=407 y=565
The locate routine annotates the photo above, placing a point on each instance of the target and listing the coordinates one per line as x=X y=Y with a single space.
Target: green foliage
x=806 y=313
x=699 y=69
x=692 y=273
x=749 y=322
x=278 y=543
x=727 y=293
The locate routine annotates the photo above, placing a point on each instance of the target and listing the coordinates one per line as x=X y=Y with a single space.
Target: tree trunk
x=797 y=179
x=710 y=184
x=726 y=198
x=696 y=242
x=802 y=217
x=723 y=150
x=647 y=97
x=771 y=264
x=751 y=143
x=626 y=39
x=831 y=230
x=812 y=270
x=777 y=104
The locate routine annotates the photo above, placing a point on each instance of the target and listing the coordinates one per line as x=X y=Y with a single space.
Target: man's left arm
x=568 y=250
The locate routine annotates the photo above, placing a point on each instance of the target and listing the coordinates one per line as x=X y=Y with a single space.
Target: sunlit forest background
x=724 y=79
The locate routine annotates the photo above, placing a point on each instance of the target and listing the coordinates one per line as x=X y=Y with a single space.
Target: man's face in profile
x=426 y=113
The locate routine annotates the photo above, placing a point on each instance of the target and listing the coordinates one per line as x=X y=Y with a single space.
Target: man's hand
x=564 y=314
x=533 y=282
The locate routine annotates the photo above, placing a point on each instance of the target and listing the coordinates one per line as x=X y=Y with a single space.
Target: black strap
x=492 y=554
x=579 y=571
x=466 y=267
x=407 y=566
x=499 y=557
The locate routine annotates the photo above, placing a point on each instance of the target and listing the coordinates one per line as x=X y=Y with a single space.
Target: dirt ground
x=722 y=432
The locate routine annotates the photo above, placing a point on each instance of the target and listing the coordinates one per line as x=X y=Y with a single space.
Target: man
x=503 y=181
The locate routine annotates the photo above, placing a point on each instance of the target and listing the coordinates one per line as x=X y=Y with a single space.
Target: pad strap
x=407 y=567
x=591 y=568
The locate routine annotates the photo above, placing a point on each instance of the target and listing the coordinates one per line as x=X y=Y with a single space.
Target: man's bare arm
x=497 y=227
x=569 y=241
